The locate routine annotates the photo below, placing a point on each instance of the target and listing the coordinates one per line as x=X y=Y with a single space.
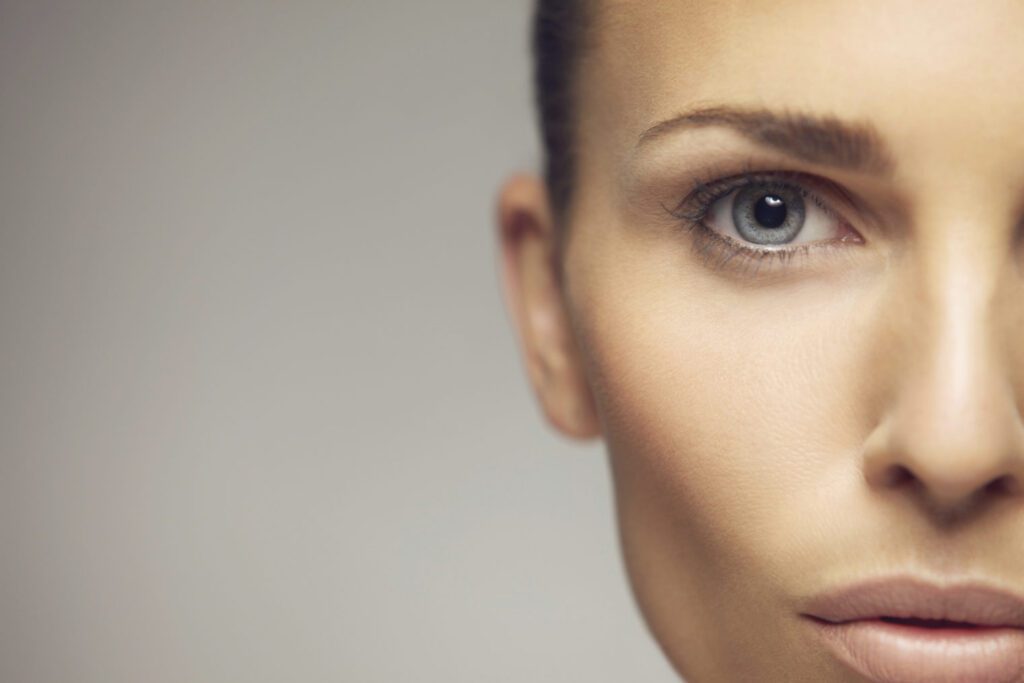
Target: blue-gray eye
x=768 y=214
x=774 y=215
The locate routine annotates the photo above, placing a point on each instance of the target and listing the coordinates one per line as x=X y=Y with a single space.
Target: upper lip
x=913 y=598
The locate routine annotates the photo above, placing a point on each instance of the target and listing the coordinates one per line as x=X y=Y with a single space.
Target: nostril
x=1004 y=485
x=897 y=475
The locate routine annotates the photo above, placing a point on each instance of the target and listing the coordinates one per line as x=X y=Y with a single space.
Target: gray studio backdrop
x=261 y=416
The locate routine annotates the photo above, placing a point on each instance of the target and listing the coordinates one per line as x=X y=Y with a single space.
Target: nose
x=952 y=434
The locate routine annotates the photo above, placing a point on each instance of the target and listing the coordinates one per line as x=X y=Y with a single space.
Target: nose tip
x=952 y=458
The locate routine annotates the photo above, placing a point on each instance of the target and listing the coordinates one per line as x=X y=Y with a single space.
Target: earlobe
x=535 y=299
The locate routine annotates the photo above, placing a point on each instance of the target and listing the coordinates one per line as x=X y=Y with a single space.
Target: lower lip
x=897 y=653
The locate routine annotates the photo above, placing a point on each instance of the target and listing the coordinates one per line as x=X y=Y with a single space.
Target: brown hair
x=558 y=28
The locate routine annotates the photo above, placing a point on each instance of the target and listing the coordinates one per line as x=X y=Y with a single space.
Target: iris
x=769 y=215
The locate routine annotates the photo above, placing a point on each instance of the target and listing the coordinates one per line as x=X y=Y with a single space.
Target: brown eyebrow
x=823 y=140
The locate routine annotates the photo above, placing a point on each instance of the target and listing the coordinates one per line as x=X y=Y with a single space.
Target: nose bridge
x=954 y=426
x=954 y=379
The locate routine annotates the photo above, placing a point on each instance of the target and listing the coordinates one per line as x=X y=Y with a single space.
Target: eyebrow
x=826 y=140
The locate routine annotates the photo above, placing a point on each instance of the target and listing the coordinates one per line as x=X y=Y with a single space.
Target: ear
x=536 y=301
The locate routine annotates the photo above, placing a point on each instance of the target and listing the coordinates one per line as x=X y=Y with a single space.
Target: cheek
x=732 y=414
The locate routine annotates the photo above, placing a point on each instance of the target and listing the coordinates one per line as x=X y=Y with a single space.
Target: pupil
x=771 y=211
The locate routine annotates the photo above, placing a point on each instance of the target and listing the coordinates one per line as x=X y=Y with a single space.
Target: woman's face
x=792 y=304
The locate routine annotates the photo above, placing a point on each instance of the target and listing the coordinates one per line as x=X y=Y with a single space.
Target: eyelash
x=717 y=251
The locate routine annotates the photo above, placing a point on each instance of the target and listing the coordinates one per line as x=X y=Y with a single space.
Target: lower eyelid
x=720 y=253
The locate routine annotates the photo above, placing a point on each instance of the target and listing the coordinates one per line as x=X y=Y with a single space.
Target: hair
x=558 y=29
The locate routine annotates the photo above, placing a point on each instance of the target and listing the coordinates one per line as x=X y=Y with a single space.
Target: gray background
x=262 y=417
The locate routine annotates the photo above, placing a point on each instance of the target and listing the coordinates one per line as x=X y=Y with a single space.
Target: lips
x=915 y=599
x=907 y=630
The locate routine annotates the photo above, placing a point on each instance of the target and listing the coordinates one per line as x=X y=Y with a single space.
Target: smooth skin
x=781 y=428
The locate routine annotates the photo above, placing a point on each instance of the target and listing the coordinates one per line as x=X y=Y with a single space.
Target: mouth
x=941 y=624
x=907 y=630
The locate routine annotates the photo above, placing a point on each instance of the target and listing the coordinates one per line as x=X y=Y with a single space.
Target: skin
x=780 y=430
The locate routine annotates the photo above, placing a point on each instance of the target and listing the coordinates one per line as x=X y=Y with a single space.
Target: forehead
x=914 y=69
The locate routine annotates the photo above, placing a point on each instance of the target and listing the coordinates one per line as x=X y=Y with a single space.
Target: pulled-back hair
x=558 y=29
